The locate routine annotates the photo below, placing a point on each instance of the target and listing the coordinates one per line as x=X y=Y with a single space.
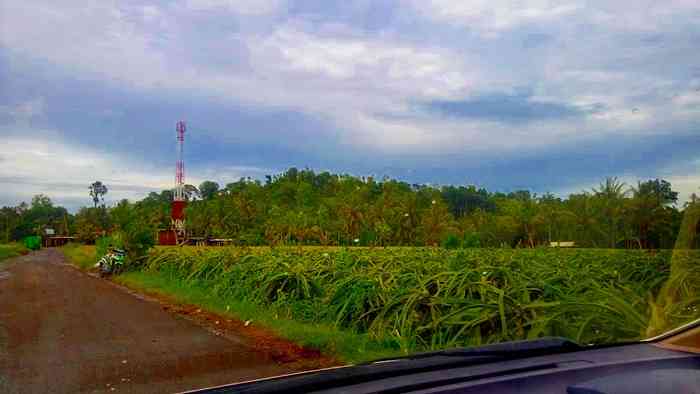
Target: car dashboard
x=667 y=364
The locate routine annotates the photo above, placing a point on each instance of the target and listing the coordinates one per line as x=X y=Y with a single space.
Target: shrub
x=451 y=242
x=102 y=245
x=471 y=240
x=137 y=241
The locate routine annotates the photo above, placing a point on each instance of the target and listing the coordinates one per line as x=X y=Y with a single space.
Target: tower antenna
x=180 y=163
x=179 y=198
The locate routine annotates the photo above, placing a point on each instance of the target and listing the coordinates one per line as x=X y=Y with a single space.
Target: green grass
x=348 y=346
x=83 y=256
x=10 y=250
x=432 y=298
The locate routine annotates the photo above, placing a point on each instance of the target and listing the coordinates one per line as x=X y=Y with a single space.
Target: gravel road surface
x=64 y=331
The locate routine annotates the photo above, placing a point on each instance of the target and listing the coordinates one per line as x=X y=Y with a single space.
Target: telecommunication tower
x=179 y=198
x=180 y=163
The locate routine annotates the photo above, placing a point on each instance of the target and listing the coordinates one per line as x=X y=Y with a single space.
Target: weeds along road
x=64 y=331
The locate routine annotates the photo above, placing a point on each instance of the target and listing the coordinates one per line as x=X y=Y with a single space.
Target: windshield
x=281 y=185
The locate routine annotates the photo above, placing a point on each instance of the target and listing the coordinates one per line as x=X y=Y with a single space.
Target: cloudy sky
x=545 y=95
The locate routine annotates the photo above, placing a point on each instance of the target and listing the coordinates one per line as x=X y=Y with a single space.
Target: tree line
x=307 y=208
x=303 y=207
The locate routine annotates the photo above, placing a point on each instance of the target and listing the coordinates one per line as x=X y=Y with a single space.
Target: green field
x=363 y=303
x=408 y=299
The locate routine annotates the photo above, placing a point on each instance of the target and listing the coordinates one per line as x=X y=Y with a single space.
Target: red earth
x=65 y=331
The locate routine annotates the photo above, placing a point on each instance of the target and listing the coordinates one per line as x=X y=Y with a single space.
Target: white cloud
x=97 y=39
x=624 y=119
x=348 y=74
x=45 y=164
x=151 y=13
x=352 y=79
x=685 y=185
x=494 y=18
x=688 y=99
x=353 y=58
x=687 y=104
x=247 y=7
x=490 y=17
x=328 y=76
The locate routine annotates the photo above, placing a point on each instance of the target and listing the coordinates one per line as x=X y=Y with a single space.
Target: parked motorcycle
x=112 y=262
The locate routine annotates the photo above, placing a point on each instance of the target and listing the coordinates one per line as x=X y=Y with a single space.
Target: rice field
x=431 y=298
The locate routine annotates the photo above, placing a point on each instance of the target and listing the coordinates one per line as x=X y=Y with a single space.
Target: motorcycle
x=112 y=262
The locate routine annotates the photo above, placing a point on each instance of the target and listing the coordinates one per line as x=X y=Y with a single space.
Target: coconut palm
x=611 y=194
x=97 y=192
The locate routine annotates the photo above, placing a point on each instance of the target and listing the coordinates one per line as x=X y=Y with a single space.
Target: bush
x=102 y=245
x=89 y=222
x=451 y=242
x=137 y=241
x=133 y=233
x=471 y=240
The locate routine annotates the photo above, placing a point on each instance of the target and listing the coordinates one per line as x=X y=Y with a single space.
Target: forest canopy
x=308 y=208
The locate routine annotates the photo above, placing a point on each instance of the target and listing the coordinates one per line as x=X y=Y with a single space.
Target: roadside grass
x=82 y=256
x=10 y=250
x=345 y=345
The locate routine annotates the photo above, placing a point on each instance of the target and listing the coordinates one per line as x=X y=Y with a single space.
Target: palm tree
x=526 y=213
x=611 y=195
x=554 y=214
x=646 y=211
x=97 y=192
x=585 y=218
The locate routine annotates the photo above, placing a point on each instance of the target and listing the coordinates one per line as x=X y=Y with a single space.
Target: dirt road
x=64 y=331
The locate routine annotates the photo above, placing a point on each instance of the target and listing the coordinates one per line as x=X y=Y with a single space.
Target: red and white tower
x=179 y=198
x=180 y=163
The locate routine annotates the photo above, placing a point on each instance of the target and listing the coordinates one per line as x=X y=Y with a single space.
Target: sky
x=551 y=96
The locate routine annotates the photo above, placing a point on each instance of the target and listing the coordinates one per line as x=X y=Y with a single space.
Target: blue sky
x=549 y=96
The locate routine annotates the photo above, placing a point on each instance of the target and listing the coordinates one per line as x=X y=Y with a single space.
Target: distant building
x=562 y=244
x=49 y=242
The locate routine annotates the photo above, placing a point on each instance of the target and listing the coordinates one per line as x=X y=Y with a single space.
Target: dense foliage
x=306 y=208
x=302 y=207
x=31 y=219
x=423 y=298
